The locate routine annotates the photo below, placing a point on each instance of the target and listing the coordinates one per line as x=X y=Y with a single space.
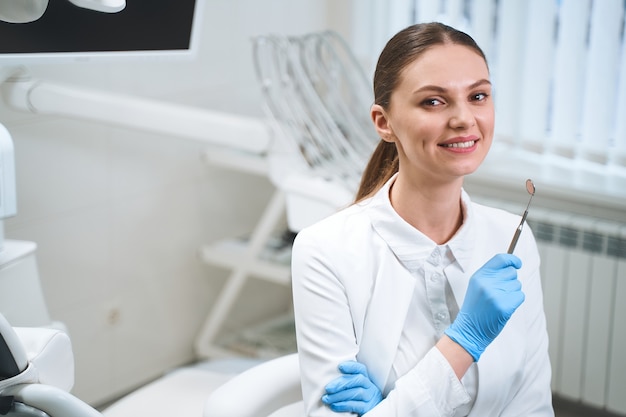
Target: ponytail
x=382 y=165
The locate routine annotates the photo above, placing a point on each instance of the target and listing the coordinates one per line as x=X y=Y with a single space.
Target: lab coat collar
x=409 y=244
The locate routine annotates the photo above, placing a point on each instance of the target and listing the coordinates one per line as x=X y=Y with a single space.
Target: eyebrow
x=443 y=90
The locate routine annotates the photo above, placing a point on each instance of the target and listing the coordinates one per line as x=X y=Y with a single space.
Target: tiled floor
x=564 y=408
x=571 y=413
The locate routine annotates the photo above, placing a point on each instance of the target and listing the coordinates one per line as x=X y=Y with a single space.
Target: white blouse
x=370 y=287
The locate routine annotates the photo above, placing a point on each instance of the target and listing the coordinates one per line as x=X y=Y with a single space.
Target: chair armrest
x=53 y=401
x=49 y=352
x=258 y=391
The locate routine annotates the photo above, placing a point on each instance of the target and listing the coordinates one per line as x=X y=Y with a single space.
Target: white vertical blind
x=401 y=15
x=618 y=156
x=371 y=27
x=600 y=94
x=507 y=68
x=427 y=11
x=568 y=78
x=482 y=24
x=453 y=14
x=537 y=63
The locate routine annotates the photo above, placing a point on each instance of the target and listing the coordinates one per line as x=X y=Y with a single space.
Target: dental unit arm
x=24 y=93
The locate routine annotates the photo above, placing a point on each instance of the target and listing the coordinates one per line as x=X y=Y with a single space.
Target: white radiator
x=583 y=270
x=584 y=281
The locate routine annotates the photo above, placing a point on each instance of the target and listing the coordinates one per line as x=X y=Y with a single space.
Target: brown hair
x=402 y=49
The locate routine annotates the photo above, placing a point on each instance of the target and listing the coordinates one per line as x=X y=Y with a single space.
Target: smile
x=467 y=144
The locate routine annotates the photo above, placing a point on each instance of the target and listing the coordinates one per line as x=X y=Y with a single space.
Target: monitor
x=66 y=32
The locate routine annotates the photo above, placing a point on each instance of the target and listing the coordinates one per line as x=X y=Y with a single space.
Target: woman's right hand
x=493 y=295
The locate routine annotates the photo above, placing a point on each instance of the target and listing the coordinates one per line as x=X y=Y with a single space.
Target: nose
x=461 y=116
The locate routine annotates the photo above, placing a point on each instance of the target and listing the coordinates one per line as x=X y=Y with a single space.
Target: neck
x=433 y=210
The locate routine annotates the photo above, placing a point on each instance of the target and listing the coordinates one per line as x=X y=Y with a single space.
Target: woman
x=405 y=304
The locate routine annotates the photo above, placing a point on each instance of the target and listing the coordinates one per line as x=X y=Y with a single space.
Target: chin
x=469 y=168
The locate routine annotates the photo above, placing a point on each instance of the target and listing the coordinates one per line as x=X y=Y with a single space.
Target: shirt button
x=435 y=257
x=435 y=277
x=441 y=316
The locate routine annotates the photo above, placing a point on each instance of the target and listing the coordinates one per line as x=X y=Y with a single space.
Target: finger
x=503 y=260
x=352 y=394
x=493 y=277
x=511 y=285
x=347 y=382
x=350 y=407
x=353 y=367
x=507 y=289
x=505 y=274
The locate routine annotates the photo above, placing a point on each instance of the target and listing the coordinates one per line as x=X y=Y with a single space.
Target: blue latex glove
x=493 y=294
x=353 y=392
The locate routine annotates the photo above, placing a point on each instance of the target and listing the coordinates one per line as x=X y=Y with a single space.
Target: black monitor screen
x=142 y=26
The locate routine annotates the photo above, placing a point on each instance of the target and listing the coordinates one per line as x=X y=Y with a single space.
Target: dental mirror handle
x=518 y=232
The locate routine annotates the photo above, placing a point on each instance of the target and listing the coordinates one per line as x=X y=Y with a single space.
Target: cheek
x=486 y=123
x=421 y=128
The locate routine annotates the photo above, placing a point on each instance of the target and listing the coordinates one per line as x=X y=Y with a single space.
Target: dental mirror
x=530 y=187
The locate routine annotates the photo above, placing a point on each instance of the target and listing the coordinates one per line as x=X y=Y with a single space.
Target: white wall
x=119 y=214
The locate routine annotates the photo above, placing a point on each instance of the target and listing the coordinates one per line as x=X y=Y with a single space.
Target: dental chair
x=37 y=373
x=270 y=389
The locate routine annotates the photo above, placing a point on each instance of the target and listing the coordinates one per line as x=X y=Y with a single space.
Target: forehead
x=446 y=64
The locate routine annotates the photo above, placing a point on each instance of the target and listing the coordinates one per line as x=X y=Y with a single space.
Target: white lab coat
x=352 y=290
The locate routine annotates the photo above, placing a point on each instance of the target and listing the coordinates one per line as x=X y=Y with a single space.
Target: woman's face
x=441 y=114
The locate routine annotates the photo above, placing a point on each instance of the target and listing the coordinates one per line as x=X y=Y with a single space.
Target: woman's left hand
x=353 y=392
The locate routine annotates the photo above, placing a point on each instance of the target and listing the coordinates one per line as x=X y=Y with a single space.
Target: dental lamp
x=105 y=6
x=25 y=11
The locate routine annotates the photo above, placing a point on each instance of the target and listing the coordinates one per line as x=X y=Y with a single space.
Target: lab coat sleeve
x=324 y=329
x=533 y=398
x=430 y=389
x=327 y=316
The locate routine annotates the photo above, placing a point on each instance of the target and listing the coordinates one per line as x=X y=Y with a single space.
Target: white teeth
x=461 y=144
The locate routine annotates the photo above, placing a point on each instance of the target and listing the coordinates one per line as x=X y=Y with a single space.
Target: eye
x=431 y=102
x=479 y=97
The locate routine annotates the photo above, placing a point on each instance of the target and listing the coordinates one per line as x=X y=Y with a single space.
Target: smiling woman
x=559 y=77
x=415 y=260
x=440 y=118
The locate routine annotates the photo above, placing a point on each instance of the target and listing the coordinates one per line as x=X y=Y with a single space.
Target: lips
x=460 y=142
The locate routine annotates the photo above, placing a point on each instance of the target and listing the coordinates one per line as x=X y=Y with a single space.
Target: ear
x=381 y=123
